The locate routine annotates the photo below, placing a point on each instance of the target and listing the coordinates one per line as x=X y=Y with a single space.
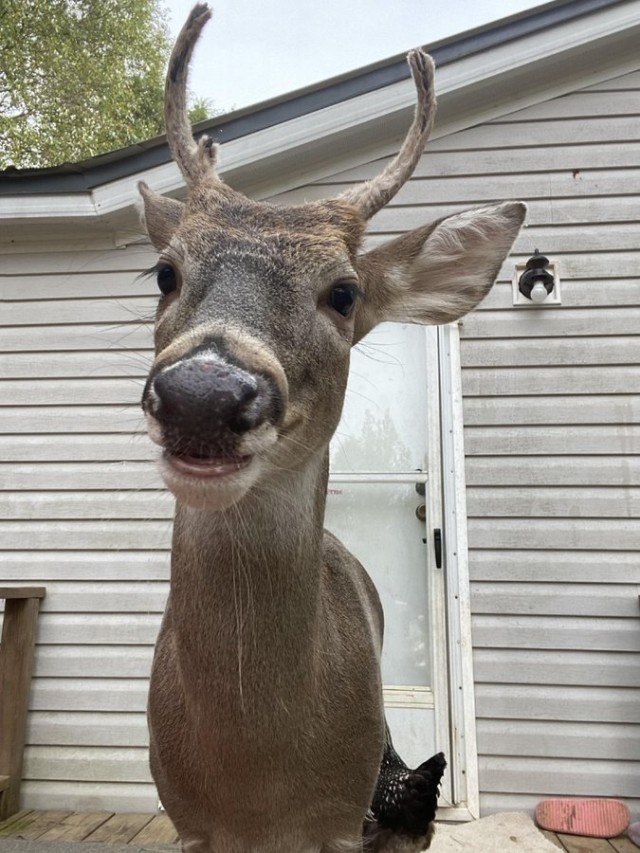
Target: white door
x=384 y=499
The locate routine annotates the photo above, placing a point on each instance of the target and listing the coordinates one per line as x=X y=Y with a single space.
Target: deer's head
x=261 y=304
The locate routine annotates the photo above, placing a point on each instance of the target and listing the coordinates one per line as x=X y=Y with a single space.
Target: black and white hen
x=404 y=804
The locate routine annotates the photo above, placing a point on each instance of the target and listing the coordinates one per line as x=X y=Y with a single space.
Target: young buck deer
x=265 y=709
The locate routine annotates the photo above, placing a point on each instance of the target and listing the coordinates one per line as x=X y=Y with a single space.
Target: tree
x=79 y=77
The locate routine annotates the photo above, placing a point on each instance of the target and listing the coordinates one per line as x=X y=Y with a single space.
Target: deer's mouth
x=207 y=467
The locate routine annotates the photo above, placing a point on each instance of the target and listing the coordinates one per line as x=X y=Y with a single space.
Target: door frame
x=447 y=511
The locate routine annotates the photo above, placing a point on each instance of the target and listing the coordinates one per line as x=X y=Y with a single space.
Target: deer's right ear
x=162 y=216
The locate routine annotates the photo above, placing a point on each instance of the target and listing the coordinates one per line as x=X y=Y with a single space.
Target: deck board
x=76 y=826
x=34 y=824
x=159 y=830
x=120 y=828
x=17 y=818
x=148 y=829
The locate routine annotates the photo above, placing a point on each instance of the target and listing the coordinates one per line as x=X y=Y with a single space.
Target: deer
x=266 y=720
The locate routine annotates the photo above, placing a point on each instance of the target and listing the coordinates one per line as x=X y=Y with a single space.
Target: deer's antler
x=371 y=196
x=196 y=160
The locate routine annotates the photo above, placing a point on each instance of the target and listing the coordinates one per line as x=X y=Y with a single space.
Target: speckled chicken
x=404 y=804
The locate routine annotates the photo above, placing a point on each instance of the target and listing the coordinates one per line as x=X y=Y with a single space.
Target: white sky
x=253 y=50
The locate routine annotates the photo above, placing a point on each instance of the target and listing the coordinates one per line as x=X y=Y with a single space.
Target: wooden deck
x=157 y=830
x=138 y=829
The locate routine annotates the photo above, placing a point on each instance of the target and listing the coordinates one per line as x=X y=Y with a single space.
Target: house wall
x=552 y=470
x=82 y=514
x=551 y=412
x=552 y=438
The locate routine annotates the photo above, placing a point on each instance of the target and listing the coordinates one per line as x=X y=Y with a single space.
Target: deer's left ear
x=437 y=273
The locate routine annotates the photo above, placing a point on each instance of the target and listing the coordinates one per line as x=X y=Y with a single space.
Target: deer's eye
x=342 y=297
x=167 y=279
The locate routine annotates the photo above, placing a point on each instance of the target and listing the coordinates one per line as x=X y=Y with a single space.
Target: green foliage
x=201 y=109
x=78 y=78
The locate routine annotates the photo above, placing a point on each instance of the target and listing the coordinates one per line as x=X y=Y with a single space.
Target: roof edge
x=87 y=175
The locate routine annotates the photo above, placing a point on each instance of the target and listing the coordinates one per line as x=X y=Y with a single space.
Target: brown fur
x=265 y=706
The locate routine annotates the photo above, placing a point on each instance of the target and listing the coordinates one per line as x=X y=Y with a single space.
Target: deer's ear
x=162 y=216
x=437 y=273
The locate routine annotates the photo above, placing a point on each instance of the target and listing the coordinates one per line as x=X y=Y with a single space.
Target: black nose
x=201 y=398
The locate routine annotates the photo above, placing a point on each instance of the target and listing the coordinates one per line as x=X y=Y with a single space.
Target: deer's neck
x=245 y=587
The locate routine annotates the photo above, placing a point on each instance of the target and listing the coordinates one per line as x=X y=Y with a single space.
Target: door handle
x=437 y=544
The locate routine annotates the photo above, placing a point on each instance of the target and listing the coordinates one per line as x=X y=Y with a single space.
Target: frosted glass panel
x=378 y=523
x=383 y=422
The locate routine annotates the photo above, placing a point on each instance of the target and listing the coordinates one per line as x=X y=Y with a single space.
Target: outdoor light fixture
x=536 y=282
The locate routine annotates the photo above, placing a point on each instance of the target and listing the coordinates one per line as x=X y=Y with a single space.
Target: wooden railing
x=21 y=608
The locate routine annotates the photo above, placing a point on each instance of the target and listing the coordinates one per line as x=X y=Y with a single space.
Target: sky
x=251 y=50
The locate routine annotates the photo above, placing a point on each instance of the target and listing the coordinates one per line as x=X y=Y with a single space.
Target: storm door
x=384 y=503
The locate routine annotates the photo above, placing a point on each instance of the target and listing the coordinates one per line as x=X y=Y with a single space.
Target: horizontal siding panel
x=562 y=566
x=556 y=776
x=567 y=351
x=549 y=632
x=72 y=448
x=81 y=337
x=556 y=599
x=550 y=323
x=90 y=475
x=559 y=739
x=85 y=535
x=619 y=439
x=81 y=796
x=79 y=285
x=93 y=661
x=550 y=185
x=77 y=729
x=565 y=471
x=74 y=365
x=40 y=420
x=45 y=566
x=591 y=502
x=505 y=381
x=583 y=104
x=124 y=392
x=564 y=702
x=571 y=210
x=574 y=409
x=555 y=533
x=62 y=694
x=502 y=161
x=86 y=505
x=576 y=292
x=105 y=597
x=74 y=311
x=139 y=629
x=616 y=84
x=563 y=131
x=132 y=259
x=86 y=764
x=535 y=667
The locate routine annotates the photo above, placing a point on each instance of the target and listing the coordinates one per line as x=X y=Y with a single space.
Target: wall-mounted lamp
x=536 y=282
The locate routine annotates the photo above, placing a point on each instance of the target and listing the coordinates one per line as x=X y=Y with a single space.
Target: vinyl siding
x=552 y=442
x=551 y=436
x=83 y=514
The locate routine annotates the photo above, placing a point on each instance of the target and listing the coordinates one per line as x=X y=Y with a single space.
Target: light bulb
x=538 y=292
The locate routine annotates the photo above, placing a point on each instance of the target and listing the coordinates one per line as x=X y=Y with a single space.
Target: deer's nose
x=200 y=397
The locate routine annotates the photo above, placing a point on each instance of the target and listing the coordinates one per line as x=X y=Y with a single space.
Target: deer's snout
x=204 y=404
